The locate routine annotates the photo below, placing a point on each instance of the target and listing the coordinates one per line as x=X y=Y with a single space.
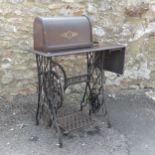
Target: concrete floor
x=20 y=136
x=133 y=114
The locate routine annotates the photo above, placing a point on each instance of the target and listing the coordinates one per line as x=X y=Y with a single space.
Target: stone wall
x=129 y=22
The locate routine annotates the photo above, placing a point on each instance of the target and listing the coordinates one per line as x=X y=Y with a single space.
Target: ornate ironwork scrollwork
x=50 y=90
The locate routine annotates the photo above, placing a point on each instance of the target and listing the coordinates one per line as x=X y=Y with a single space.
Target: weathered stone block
x=123 y=21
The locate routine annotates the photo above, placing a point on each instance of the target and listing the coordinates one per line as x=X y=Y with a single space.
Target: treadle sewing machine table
x=64 y=36
x=50 y=88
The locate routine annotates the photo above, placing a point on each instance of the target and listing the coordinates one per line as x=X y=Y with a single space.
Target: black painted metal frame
x=51 y=87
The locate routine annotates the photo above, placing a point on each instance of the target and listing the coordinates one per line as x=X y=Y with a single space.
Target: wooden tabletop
x=96 y=48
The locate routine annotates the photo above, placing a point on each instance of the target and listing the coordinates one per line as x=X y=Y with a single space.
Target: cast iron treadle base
x=74 y=121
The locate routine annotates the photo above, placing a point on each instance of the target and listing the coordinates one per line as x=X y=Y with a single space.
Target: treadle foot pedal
x=74 y=121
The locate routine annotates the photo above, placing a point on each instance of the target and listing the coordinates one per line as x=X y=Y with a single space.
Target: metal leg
x=83 y=98
x=39 y=64
x=55 y=101
x=53 y=116
x=50 y=92
x=37 y=113
x=96 y=81
x=103 y=103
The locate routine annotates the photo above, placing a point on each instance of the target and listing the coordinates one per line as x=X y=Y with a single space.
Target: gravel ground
x=20 y=136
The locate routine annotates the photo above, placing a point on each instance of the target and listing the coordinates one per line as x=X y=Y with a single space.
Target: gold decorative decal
x=69 y=34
